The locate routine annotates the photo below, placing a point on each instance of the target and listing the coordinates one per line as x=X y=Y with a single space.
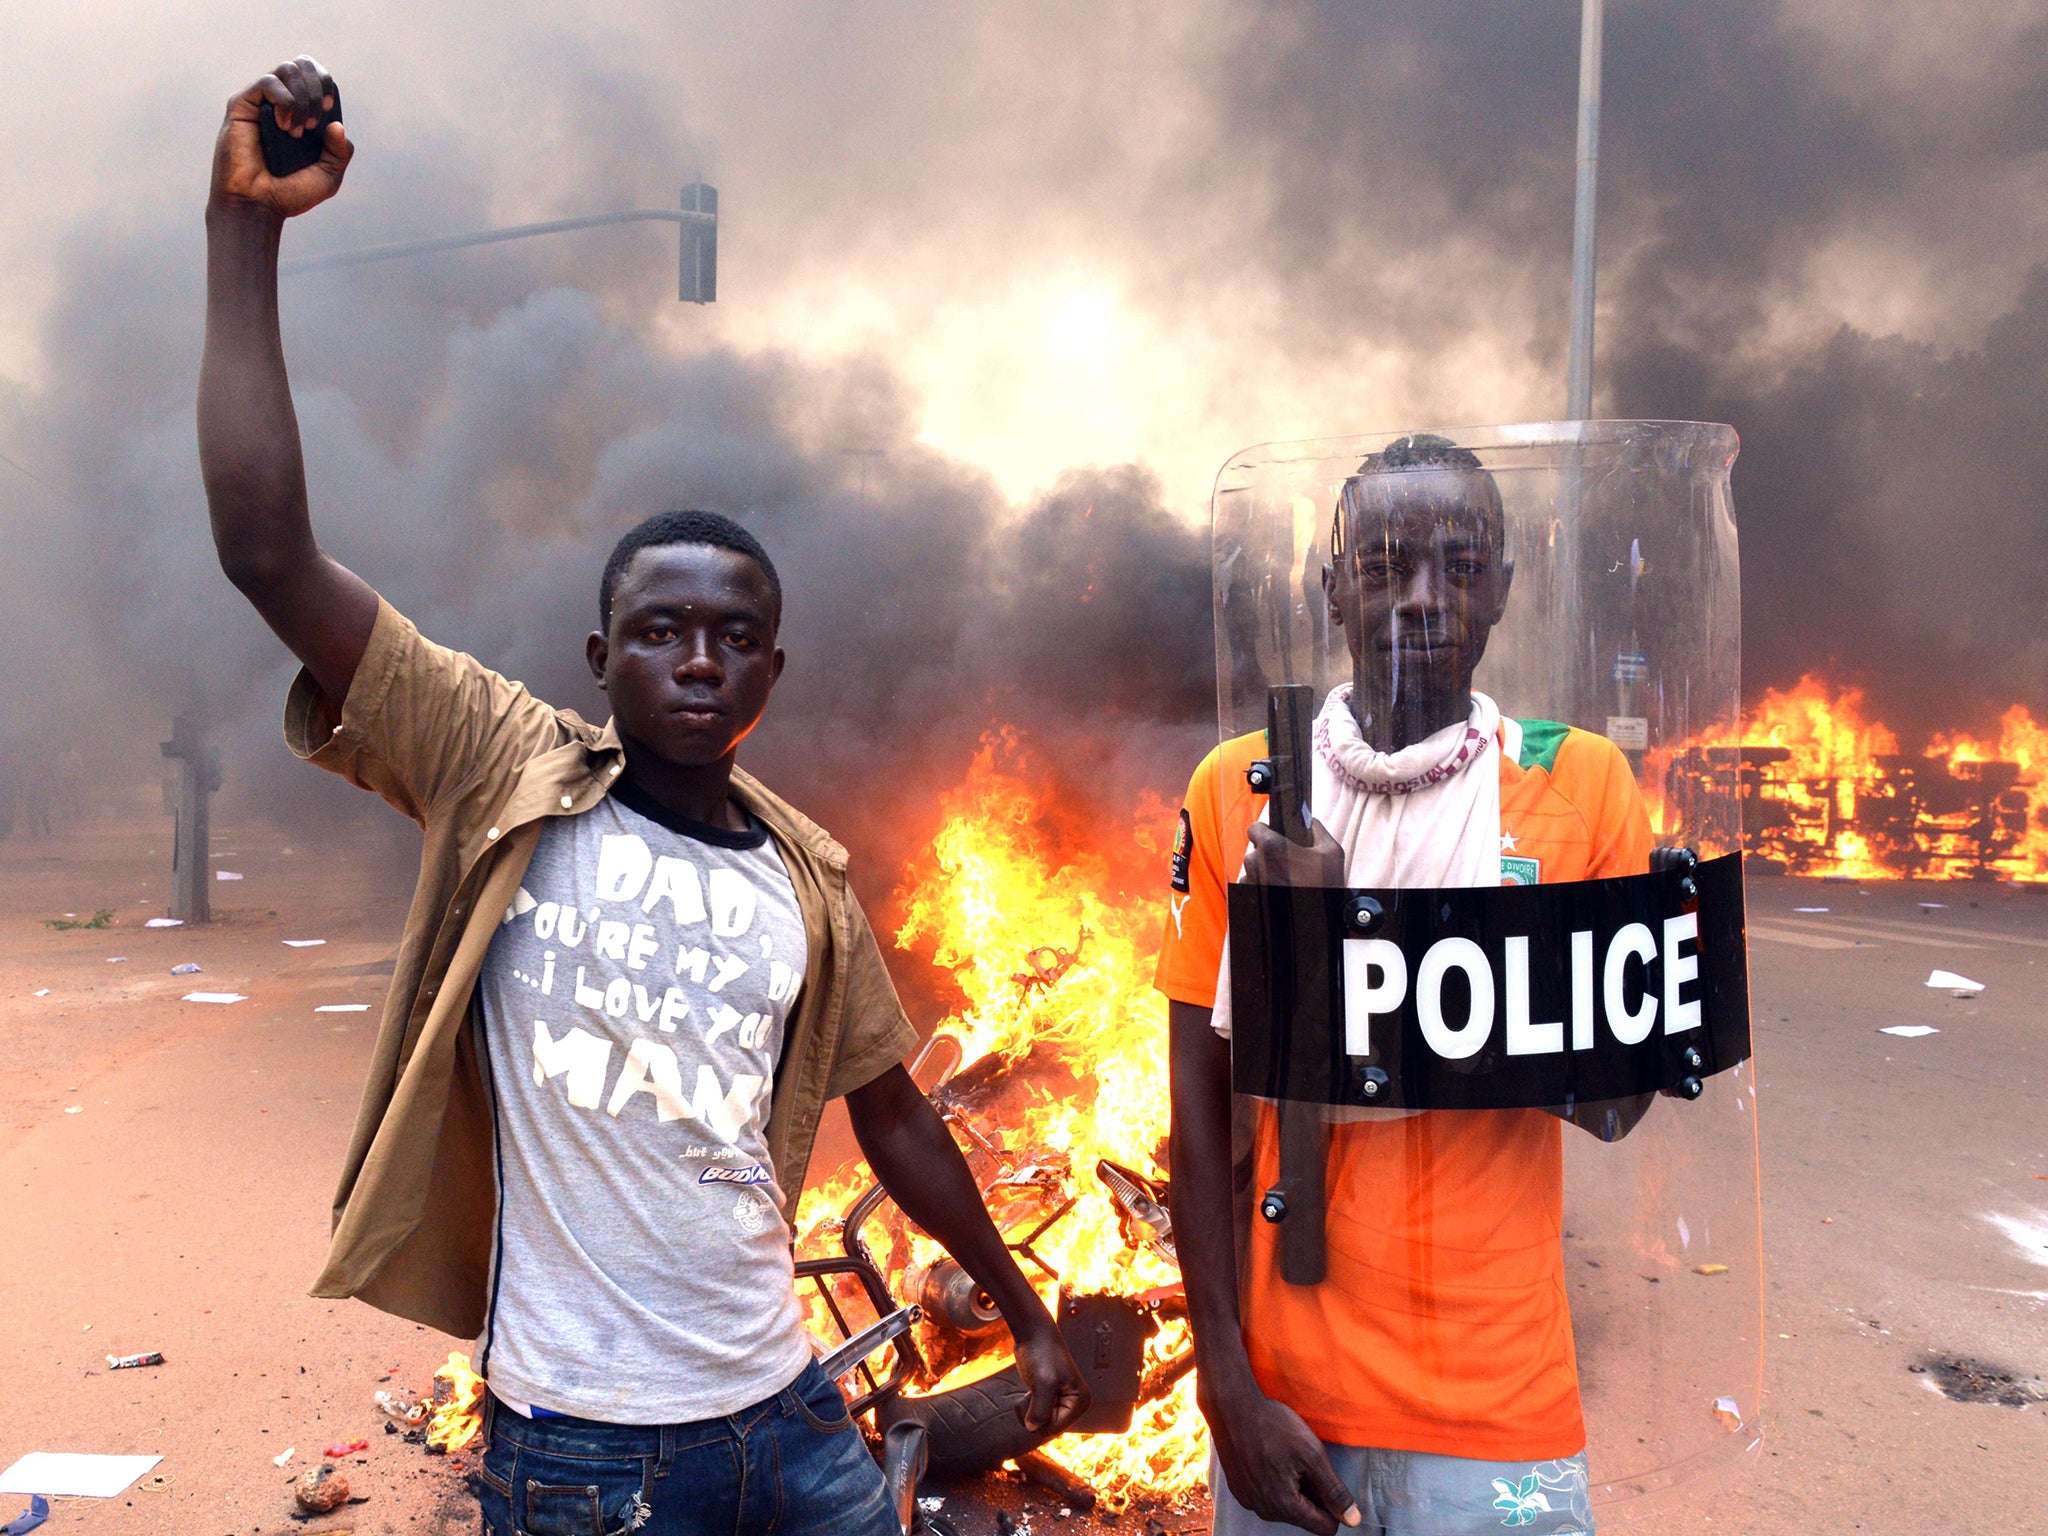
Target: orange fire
x=458 y=1415
x=1826 y=791
x=1053 y=964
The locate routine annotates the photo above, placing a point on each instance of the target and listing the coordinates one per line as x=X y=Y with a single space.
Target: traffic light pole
x=697 y=281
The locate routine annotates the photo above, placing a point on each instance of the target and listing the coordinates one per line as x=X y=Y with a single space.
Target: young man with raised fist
x=630 y=980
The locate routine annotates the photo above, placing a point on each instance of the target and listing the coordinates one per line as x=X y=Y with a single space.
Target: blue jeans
x=793 y=1463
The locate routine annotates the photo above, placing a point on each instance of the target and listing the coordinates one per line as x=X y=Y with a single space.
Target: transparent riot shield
x=1496 y=1148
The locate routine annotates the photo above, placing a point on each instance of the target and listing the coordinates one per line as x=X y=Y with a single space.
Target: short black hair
x=1417 y=450
x=684 y=527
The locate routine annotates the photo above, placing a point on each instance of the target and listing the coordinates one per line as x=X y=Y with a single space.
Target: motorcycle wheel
x=973 y=1428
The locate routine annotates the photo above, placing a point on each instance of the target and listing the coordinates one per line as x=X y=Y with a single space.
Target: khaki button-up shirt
x=479 y=763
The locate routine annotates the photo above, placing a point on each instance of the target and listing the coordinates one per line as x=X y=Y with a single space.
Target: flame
x=458 y=1416
x=1052 y=962
x=1827 y=791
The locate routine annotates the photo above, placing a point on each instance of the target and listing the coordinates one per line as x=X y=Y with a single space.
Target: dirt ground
x=166 y=1167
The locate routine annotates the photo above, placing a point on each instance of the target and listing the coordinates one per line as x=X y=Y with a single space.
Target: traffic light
x=698 y=283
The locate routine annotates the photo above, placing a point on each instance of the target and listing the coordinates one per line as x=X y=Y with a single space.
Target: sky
x=1001 y=287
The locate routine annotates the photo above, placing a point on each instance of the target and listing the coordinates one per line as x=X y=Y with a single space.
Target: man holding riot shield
x=1368 y=1177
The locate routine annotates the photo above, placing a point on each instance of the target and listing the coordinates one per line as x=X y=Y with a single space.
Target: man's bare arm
x=249 y=451
x=919 y=1163
x=1275 y=1465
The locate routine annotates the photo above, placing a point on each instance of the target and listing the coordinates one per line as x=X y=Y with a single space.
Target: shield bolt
x=1261 y=777
x=1692 y=1059
x=1371 y=1082
x=1362 y=914
x=1691 y=1087
x=1274 y=1206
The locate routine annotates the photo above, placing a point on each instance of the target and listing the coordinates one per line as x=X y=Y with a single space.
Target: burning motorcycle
x=928 y=1376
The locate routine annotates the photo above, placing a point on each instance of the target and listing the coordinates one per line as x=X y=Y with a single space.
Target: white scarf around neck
x=1422 y=818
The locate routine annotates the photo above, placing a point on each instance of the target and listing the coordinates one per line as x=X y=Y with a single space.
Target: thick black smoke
x=922 y=609
x=1371 y=197
x=1889 y=490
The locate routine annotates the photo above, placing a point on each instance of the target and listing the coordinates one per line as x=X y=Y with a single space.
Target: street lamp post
x=1579 y=376
x=697 y=218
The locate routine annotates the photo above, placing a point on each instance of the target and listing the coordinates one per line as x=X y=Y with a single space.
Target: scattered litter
x=1933 y=906
x=1909 y=1031
x=1727 y=1413
x=130 y=1362
x=117 y=959
x=37 y=1512
x=215 y=997
x=341 y=1450
x=302 y=943
x=931 y=1505
x=156 y=1482
x=103 y=918
x=1952 y=980
x=343 y=1008
x=403 y=1406
x=1710 y=1269
x=284 y=1456
x=165 y=922
x=74 y=1109
x=189 y=968
x=320 y=1490
x=225 y=874
x=43 y=992
x=74 y=1474
x=1809 y=909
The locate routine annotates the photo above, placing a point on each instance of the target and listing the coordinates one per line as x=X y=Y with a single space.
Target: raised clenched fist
x=297 y=93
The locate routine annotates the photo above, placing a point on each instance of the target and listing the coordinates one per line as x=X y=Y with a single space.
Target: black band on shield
x=1515 y=997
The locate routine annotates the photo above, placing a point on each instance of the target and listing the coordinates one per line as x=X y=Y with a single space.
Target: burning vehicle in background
x=1825 y=791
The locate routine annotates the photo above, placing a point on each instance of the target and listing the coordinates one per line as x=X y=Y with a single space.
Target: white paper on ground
x=1910 y=1031
x=44 y=993
x=225 y=874
x=165 y=922
x=1951 y=980
x=215 y=997
x=1809 y=909
x=74 y=1475
x=302 y=943
x=343 y=1008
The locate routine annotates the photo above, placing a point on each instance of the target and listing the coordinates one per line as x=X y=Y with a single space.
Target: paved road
x=183 y=1207
x=1906 y=1208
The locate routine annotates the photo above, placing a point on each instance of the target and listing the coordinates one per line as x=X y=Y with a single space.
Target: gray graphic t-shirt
x=632 y=1009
